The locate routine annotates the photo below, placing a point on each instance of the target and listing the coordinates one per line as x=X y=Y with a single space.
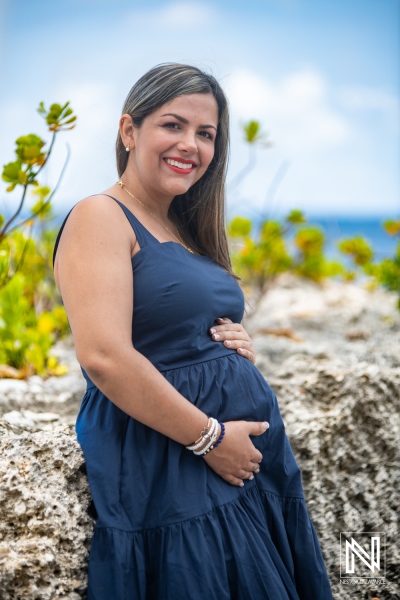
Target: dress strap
x=143 y=235
x=59 y=235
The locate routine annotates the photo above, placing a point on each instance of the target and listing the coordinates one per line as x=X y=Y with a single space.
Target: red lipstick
x=183 y=161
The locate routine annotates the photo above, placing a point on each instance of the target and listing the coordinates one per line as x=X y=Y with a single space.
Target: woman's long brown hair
x=199 y=214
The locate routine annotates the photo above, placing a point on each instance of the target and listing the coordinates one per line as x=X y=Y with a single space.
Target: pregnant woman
x=196 y=488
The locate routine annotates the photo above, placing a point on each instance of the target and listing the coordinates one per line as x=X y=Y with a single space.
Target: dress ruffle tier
x=169 y=528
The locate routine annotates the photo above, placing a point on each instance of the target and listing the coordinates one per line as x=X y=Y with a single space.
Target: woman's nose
x=188 y=143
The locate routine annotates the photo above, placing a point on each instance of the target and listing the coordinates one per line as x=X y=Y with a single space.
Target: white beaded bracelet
x=206 y=439
x=213 y=436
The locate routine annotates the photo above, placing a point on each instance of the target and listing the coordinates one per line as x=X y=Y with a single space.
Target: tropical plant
x=31 y=318
x=385 y=272
x=261 y=258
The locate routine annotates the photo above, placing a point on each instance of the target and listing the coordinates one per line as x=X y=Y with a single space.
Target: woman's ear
x=126 y=129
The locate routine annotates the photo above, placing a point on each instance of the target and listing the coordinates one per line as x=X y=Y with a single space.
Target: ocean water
x=340 y=228
x=336 y=228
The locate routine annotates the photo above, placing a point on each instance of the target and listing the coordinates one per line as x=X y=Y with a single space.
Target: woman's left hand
x=233 y=335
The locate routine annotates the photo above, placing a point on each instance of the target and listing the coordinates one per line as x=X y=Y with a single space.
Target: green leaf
x=29 y=149
x=41 y=110
x=11 y=171
x=253 y=135
x=392 y=227
x=29 y=140
x=57 y=117
x=251 y=131
x=295 y=217
x=310 y=241
x=14 y=174
x=239 y=227
x=358 y=249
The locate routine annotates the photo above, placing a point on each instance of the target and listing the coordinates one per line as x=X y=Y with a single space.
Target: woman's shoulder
x=97 y=217
x=99 y=211
x=95 y=206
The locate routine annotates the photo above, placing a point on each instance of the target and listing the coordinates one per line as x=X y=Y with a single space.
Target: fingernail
x=212 y=330
x=265 y=424
x=251 y=477
x=241 y=484
x=219 y=319
x=227 y=342
x=216 y=336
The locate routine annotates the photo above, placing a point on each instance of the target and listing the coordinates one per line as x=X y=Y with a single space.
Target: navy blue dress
x=168 y=527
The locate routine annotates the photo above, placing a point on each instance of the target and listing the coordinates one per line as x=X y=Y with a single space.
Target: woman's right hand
x=236 y=458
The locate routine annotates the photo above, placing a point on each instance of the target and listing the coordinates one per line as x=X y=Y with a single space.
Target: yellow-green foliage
x=254 y=135
x=358 y=249
x=392 y=227
x=259 y=260
x=24 y=342
x=31 y=155
x=310 y=260
x=31 y=318
x=386 y=272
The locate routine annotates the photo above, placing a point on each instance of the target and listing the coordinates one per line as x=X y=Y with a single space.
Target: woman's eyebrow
x=185 y=121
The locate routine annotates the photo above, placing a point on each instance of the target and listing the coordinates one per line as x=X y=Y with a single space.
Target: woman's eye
x=171 y=125
x=206 y=134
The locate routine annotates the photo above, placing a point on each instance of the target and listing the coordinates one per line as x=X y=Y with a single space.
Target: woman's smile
x=180 y=165
x=172 y=149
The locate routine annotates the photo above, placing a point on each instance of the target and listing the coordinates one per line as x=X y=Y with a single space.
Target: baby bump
x=231 y=388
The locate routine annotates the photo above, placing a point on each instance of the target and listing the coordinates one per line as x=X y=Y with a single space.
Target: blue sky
x=322 y=76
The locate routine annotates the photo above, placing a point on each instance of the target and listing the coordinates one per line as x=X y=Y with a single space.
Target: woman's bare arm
x=94 y=276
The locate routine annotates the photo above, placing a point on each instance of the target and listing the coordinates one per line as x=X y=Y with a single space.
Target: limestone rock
x=42 y=404
x=343 y=423
x=45 y=528
x=337 y=380
x=334 y=363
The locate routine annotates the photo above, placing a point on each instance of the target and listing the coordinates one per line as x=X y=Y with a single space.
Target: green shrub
x=259 y=260
x=25 y=338
x=385 y=273
x=31 y=318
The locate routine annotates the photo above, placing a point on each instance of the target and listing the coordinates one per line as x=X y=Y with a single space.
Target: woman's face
x=174 y=146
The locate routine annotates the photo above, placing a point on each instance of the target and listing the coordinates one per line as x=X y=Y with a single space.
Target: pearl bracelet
x=213 y=436
x=209 y=438
x=206 y=437
x=213 y=444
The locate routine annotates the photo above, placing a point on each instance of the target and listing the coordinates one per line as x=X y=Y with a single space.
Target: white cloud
x=295 y=109
x=367 y=98
x=331 y=159
x=176 y=14
x=363 y=99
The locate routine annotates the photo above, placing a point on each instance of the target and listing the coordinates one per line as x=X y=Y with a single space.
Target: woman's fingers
x=233 y=480
x=234 y=336
x=236 y=458
x=247 y=354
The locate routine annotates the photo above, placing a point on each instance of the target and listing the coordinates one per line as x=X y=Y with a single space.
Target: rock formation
x=332 y=356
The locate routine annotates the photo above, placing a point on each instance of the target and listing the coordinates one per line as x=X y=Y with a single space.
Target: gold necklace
x=121 y=184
